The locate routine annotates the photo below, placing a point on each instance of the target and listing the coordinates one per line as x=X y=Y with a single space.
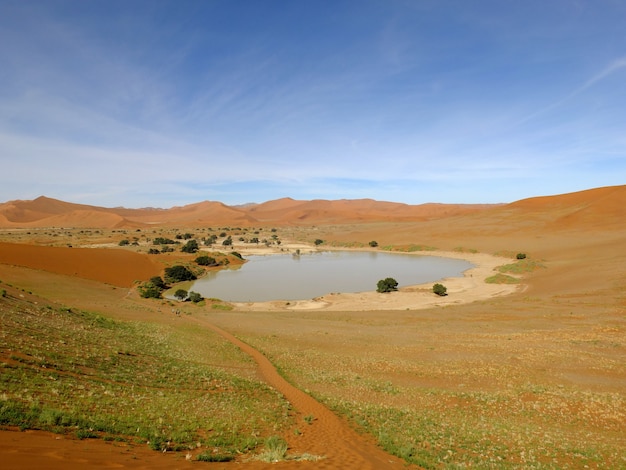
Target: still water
x=298 y=277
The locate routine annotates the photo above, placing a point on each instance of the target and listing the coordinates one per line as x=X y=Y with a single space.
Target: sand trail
x=327 y=436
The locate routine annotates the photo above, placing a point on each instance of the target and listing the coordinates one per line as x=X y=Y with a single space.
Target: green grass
x=71 y=371
x=275 y=450
x=521 y=267
x=501 y=279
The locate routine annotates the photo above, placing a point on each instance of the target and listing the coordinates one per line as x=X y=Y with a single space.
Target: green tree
x=228 y=241
x=206 y=261
x=178 y=273
x=158 y=282
x=149 y=291
x=388 y=284
x=195 y=297
x=440 y=289
x=180 y=294
x=190 y=247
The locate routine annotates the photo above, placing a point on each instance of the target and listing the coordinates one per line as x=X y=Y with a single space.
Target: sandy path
x=327 y=436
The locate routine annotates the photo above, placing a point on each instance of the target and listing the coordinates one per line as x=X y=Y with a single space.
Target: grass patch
x=213 y=457
x=408 y=248
x=78 y=372
x=275 y=450
x=521 y=267
x=501 y=279
x=222 y=307
x=460 y=249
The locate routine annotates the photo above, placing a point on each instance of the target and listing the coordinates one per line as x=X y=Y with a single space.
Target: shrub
x=180 y=294
x=521 y=256
x=124 y=242
x=163 y=241
x=440 y=289
x=275 y=449
x=387 y=285
x=149 y=291
x=318 y=241
x=153 y=251
x=195 y=297
x=373 y=244
x=158 y=282
x=208 y=456
x=190 y=247
x=237 y=255
x=206 y=261
x=178 y=273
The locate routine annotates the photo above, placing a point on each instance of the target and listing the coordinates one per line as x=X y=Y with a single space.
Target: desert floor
x=537 y=368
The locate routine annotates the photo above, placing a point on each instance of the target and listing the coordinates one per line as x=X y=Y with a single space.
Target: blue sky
x=163 y=103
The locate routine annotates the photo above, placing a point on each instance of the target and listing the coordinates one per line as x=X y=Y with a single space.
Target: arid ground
x=527 y=370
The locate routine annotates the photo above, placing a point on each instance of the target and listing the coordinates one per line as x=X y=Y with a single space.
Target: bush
x=163 y=241
x=157 y=281
x=373 y=244
x=180 y=294
x=124 y=242
x=149 y=291
x=387 y=285
x=206 y=261
x=190 y=247
x=195 y=297
x=440 y=289
x=237 y=255
x=318 y=242
x=153 y=251
x=178 y=273
x=521 y=256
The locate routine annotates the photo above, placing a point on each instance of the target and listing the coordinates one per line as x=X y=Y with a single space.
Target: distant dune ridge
x=605 y=206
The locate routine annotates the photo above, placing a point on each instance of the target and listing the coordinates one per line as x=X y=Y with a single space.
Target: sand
x=549 y=329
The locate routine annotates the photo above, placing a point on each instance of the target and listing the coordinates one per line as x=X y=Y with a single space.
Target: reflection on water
x=305 y=276
x=294 y=277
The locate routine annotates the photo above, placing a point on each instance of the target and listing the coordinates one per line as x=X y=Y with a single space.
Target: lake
x=306 y=276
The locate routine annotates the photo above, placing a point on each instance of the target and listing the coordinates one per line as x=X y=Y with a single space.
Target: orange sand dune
x=117 y=267
x=597 y=206
x=47 y=212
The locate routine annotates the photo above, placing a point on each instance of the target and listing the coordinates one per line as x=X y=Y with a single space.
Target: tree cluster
x=388 y=284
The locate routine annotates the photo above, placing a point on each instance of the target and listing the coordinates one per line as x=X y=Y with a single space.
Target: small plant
x=373 y=244
x=318 y=242
x=211 y=457
x=180 y=294
x=124 y=242
x=178 y=273
x=190 y=247
x=521 y=256
x=388 y=284
x=3 y=293
x=275 y=449
x=440 y=289
x=205 y=260
x=308 y=419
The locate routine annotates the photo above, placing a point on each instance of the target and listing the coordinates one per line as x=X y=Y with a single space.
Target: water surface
x=293 y=277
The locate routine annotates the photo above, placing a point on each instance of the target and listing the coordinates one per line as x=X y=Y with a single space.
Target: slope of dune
x=320 y=211
x=116 y=267
x=604 y=207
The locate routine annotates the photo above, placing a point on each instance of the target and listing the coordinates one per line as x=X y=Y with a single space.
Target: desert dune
x=543 y=358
